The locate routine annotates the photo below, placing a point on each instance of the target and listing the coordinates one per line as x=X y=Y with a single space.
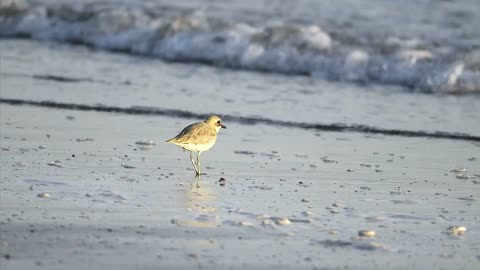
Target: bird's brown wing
x=198 y=133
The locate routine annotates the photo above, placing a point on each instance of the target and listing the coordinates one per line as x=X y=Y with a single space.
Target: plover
x=198 y=137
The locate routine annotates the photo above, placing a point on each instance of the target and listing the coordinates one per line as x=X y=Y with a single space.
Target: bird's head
x=215 y=122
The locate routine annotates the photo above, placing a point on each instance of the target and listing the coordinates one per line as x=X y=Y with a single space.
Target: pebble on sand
x=85 y=140
x=126 y=166
x=465 y=176
x=43 y=195
x=375 y=218
x=244 y=224
x=307 y=213
x=145 y=142
x=56 y=163
x=366 y=233
x=459 y=169
x=283 y=221
x=457 y=230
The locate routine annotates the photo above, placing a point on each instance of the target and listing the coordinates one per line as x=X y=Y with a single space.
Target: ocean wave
x=186 y=36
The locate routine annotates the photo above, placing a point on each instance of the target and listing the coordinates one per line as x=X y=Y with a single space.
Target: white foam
x=286 y=48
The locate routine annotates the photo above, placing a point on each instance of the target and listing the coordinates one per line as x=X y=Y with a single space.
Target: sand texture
x=102 y=190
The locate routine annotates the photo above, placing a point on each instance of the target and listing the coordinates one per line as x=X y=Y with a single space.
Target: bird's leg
x=197 y=179
x=193 y=162
x=198 y=162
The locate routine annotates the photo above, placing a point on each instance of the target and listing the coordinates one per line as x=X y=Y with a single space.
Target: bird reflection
x=198 y=198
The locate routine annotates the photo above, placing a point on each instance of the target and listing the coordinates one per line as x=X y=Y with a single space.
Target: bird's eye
x=218 y=122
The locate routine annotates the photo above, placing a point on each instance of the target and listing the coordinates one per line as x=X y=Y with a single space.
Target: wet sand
x=112 y=204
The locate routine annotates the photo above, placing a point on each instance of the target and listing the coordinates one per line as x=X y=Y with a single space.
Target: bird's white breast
x=197 y=147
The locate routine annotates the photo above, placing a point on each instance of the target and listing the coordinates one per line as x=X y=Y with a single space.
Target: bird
x=198 y=137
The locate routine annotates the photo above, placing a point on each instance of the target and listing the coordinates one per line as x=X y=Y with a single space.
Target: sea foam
x=280 y=47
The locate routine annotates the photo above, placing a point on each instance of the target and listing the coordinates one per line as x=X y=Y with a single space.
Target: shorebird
x=198 y=137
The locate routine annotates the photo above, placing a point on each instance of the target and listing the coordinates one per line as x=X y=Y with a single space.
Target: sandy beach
x=112 y=203
x=86 y=188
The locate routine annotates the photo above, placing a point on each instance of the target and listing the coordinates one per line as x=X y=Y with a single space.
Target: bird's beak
x=223 y=126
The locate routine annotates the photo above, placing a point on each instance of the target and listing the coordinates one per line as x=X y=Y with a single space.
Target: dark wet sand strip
x=62 y=79
x=334 y=127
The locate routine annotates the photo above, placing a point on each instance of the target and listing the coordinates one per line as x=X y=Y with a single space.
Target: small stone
x=459 y=169
x=145 y=142
x=465 y=176
x=366 y=233
x=283 y=221
x=20 y=164
x=55 y=163
x=85 y=139
x=244 y=224
x=43 y=195
x=304 y=200
x=126 y=166
x=375 y=218
x=307 y=213
x=457 y=230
